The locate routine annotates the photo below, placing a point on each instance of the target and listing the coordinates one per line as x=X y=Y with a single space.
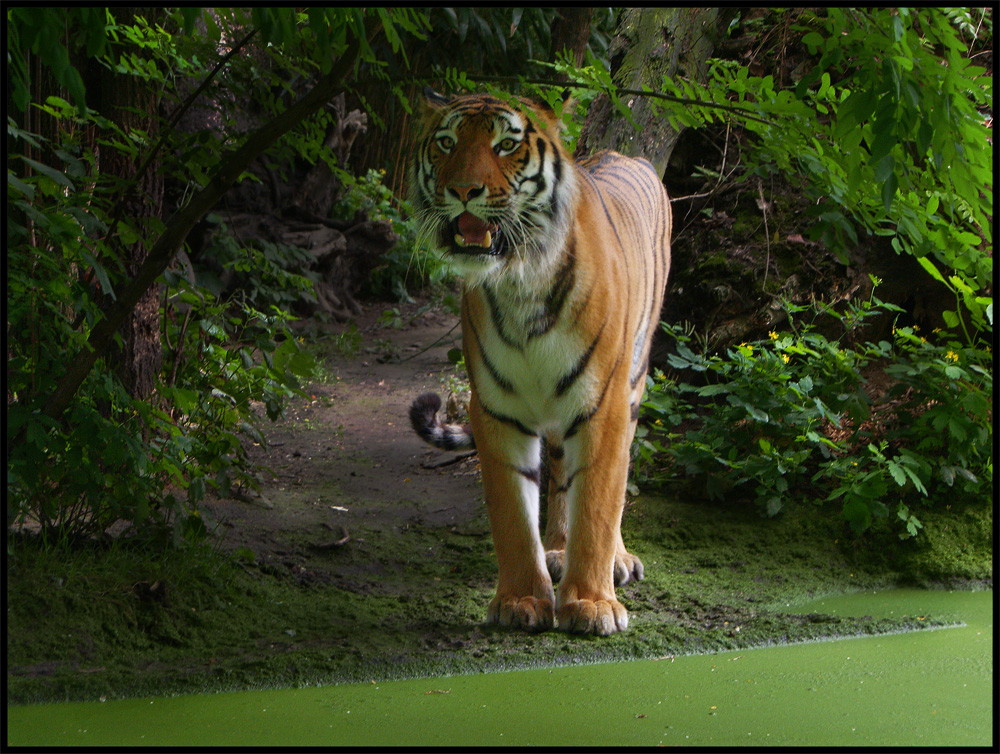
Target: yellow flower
x=785 y=357
x=772 y=335
x=951 y=355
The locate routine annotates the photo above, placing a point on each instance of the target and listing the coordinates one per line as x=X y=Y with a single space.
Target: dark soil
x=346 y=461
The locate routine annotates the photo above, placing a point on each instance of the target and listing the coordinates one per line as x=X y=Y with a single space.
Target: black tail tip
x=423 y=410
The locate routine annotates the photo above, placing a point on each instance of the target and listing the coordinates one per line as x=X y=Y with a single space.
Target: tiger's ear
x=542 y=106
x=435 y=100
x=568 y=103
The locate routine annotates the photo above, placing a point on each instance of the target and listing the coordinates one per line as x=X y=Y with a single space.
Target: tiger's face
x=493 y=184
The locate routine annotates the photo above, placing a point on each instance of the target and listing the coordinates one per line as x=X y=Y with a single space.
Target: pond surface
x=927 y=688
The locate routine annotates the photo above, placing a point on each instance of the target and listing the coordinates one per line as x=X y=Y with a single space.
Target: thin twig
x=767 y=233
x=448 y=461
x=425 y=350
x=741 y=111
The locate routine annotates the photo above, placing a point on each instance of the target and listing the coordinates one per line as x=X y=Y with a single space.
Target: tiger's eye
x=446 y=143
x=507 y=145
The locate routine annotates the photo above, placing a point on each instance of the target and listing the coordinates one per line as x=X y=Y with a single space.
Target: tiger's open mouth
x=468 y=234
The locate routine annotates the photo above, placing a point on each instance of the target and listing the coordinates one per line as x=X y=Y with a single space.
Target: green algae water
x=930 y=688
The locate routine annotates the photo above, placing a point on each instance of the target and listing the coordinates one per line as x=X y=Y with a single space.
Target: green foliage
x=889 y=126
x=908 y=122
x=225 y=357
x=788 y=420
x=496 y=41
x=228 y=362
x=401 y=269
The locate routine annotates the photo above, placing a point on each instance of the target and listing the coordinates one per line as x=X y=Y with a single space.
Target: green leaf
x=101 y=274
x=17 y=185
x=889 y=191
x=813 y=41
x=858 y=514
x=49 y=172
x=898 y=475
x=712 y=389
x=917 y=481
x=948 y=474
x=885 y=168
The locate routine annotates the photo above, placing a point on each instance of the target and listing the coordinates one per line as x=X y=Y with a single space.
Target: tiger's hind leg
x=510 y=462
x=627 y=566
x=555 y=509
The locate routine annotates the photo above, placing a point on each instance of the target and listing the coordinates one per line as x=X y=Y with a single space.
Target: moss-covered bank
x=409 y=602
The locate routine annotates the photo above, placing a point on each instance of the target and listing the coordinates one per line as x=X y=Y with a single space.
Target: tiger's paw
x=627 y=568
x=526 y=613
x=600 y=617
x=554 y=561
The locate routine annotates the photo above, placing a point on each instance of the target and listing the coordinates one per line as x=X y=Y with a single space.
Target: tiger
x=563 y=266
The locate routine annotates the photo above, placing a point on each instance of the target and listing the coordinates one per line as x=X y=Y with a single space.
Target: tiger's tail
x=424 y=418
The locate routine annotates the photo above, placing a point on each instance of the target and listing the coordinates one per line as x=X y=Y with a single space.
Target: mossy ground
x=361 y=564
x=100 y=623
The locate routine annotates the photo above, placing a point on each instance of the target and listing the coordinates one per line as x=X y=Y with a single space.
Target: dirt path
x=347 y=460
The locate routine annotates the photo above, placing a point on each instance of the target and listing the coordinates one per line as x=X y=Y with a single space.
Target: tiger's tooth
x=486 y=243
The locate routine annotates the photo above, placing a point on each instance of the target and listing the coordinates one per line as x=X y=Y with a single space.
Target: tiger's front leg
x=510 y=461
x=597 y=459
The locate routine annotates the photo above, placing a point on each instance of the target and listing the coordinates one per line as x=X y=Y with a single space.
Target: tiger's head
x=493 y=184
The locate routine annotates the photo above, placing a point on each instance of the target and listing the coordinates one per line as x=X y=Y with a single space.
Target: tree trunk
x=651 y=43
x=319 y=190
x=132 y=105
x=571 y=32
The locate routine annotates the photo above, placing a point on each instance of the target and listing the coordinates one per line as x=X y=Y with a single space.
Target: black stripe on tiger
x=564 y=487
x=562 y=286
x=581 y=419
x=567 y=380
x=498 y=320
x=502 y=382
x=532 y=475
x=510 y=421
x=635 y=411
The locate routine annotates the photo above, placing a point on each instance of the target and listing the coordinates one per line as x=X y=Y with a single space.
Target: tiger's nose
x=467 y=193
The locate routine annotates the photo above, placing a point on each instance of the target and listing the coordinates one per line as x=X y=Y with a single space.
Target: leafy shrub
x=889 y=125
x=111 y=457
x=788 y=420
x=401 y=269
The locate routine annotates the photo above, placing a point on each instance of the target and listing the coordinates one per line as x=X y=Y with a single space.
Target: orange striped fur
x=564 y=266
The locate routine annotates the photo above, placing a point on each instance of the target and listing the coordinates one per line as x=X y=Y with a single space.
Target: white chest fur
x=531 y=367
